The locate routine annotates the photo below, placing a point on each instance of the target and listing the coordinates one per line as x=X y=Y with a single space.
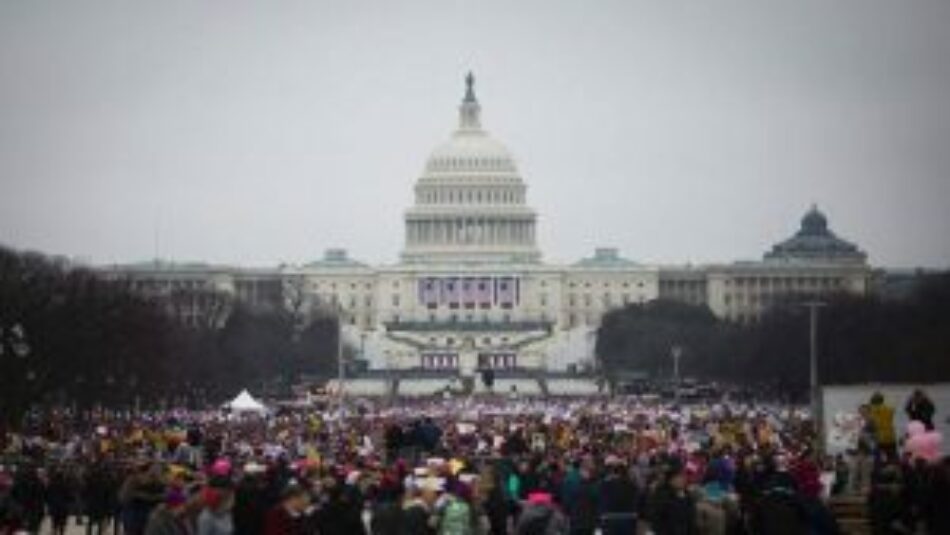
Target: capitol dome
x=470 y=200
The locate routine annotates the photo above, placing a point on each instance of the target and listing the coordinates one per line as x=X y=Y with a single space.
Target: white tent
x=245 y=403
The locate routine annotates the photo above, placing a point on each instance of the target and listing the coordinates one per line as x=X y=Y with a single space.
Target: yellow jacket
x=883 y=418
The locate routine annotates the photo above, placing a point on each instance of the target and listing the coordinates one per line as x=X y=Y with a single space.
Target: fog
x=257 y=133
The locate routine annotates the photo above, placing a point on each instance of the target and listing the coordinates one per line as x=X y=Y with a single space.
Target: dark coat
x=416 y=518
x=673 y=513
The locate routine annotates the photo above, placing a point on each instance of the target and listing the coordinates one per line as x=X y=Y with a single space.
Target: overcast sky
x=263 y=132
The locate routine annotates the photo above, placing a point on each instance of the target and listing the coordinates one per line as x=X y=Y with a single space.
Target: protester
x=59 y=497
x=674 y=509
x=882 y=415
x=619 y=500
x=288 y=517
x=216 y=515
x=478 y=466
x=541 y=517
x=919 y=408
x=169 y=518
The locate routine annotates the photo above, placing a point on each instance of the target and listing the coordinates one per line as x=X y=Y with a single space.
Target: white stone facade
x=470 y=290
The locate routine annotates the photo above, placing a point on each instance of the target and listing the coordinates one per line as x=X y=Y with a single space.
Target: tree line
x=860 y=339
x=70 y=337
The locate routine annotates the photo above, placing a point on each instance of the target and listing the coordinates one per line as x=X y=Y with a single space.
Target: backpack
x=456 y=519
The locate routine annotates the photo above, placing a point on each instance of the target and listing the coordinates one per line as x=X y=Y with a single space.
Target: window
x=396 y=300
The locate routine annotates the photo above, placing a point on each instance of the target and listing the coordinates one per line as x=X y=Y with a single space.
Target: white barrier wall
x=527 y=387
x=572 y=387
x=840 y=405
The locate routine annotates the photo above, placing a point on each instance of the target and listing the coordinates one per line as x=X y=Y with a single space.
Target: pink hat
x=540 y=498
x=221 y=467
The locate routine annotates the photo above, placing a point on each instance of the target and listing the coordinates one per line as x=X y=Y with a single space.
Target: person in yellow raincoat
x=882 y=416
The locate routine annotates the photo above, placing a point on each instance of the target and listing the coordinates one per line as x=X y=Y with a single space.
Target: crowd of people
x=466 y=466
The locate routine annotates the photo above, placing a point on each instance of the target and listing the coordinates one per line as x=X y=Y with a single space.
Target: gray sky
x=260 y=132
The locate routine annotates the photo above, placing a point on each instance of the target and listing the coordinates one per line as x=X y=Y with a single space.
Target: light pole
x=815 y=391
x=676 y=352
x=339 y=355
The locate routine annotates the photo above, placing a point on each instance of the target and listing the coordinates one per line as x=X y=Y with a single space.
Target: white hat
x=254 y=468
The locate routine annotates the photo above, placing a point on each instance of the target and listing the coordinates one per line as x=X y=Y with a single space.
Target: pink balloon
x=915 y=428
x=923 y=444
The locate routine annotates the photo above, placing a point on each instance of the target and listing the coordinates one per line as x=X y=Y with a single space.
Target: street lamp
x=815 y=393
x=676 y=352
x=339 y=355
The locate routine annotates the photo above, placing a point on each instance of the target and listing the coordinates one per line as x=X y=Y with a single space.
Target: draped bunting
x=470 y=291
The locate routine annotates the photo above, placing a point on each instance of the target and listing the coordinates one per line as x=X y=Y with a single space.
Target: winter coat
x=673 y=513
x=883 y=417
x=212 y=523
x=541 y=520
x=456 y=518
x=163 y=521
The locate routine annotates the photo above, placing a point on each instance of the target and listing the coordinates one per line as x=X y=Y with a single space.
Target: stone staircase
x=851 y=512
x=468 y=385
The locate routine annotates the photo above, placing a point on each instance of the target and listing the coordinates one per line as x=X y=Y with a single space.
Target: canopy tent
x=245 y=403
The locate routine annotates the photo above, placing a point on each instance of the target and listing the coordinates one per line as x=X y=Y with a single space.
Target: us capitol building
x=471 y=292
